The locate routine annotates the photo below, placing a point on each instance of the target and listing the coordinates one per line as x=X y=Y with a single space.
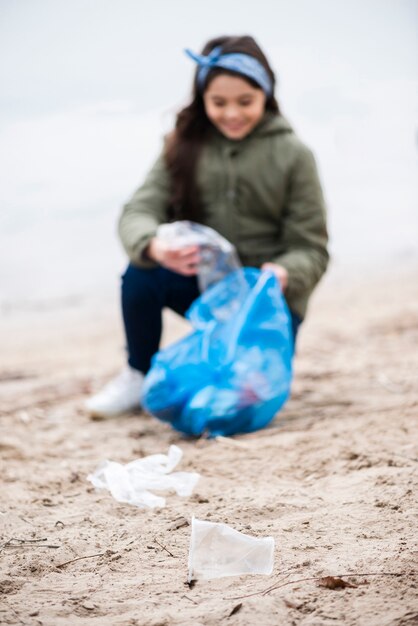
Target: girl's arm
x=304 y=231
x=144 y=212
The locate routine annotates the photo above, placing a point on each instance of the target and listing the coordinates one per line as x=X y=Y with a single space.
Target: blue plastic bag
x=233 y=372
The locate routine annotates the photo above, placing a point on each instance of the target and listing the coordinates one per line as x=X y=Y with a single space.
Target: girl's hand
x=280 y=272
x=183 y=261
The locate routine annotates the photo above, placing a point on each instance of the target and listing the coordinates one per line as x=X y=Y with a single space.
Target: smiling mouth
x=234 y=127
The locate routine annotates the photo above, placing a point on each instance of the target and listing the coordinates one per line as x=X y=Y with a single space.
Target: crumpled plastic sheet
x=218 y=256
x=217 y=550
x=134 y=482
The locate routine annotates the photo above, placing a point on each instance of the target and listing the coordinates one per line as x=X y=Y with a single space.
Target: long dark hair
x=184 y=145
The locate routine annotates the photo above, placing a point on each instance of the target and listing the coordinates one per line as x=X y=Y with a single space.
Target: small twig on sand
x=302 y=580
x=25 y=540
x=14 y=542
x=285 y=575
x=89 y=556
x=39 y=545
x=164 y=548
x=263 y=592
x=191 y=599
x=266 y=591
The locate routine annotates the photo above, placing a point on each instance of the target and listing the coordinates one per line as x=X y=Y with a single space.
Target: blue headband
x=236 y=62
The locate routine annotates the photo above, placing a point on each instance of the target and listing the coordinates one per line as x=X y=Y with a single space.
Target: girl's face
x=233 y=105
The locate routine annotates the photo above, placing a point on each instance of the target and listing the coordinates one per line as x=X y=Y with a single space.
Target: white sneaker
x=120 y=395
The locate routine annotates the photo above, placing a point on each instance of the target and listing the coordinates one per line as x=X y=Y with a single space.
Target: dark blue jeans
x=144 y=295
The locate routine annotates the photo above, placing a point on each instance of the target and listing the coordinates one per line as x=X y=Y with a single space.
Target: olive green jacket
x=262 y=193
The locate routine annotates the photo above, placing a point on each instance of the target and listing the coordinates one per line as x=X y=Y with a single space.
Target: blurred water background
x=89 y=87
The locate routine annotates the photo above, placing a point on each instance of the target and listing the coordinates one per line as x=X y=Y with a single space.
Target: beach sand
x=333 y=479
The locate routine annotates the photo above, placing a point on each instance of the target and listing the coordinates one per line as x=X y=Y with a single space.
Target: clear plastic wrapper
x=217 y=550
x=217 y=256
x=131 y=483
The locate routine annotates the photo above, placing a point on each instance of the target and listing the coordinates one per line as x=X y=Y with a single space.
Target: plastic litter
x=217 y=255
x=217 y=550
x=234 y=372
x=131 y=483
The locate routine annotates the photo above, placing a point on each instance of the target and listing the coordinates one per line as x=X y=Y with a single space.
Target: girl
x=232 y=163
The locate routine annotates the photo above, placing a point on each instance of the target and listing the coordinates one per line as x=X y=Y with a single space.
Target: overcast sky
x=57 y=54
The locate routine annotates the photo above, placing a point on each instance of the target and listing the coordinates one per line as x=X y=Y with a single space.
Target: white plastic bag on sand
x=132 y=482
x=218 y=256
x=217 y=550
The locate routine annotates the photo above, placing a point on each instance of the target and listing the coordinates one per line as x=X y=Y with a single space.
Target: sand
x=333 y=479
